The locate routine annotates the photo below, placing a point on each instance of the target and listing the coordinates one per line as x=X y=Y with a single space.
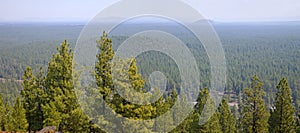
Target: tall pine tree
x=104 y=82
x=127 y=109
x=2 y=114
x=185 y=125
x=283 y=118
x=8 y=124
x=18 y=117
x=254 y=116
x=103 y=66
x=33 y=97
x=227 y=120
x=129 y=78
x=61 y=100
x=213 y=124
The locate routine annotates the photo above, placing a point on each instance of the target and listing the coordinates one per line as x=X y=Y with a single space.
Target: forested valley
x=261 y=94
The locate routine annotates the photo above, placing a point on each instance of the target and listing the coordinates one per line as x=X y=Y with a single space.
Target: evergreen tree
x=298 y=123
x=8 y=124
x=227 y=120
x=236 y=115
x=254 y=116
x=282 y=118
x=235 y=112
x=79 y=121
x=126 y=108
x=104 y=83
x=103 y=66
x=2 y=114
x=103 y=75
x=185 y=125
x=18 y=117
x=180 y=110
x=213 y=124
x=33 y=97
x=165 y=122
x=61 y=100
x=52 y=112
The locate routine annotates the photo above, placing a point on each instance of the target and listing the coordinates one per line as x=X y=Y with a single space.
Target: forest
x=261 y=93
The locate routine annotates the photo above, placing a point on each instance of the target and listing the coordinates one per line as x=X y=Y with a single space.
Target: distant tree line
x=271 y=53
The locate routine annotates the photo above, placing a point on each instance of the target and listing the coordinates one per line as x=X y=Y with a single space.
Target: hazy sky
x=80 y=10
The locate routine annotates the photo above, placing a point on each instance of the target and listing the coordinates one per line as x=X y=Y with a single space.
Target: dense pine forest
x=261 y=94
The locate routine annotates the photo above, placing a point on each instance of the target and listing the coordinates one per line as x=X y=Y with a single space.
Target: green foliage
x=128 y=109
x=103 y=66
x=248 y=50
x=205 y=112
x=33 y=94
x=10 y=89
x=8 y=126
x=31 y=45
x=105 y=86
x=50 y=100
x=282 y=118
x=51 y=112
x=79 y=121
x=227 y=120
x=186 y=125
x=104 y=83
x=297 y=123
x=9 y=116
x=18 y=118
x=166 y=120
x=2 y=114
x=254 y=116
x=61 y=105
x=129 y=78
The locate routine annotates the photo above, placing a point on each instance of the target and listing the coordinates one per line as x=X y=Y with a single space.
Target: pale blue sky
x=218 y=10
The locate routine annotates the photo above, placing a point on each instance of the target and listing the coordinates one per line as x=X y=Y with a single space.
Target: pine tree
x=52 y=112
x=227 y=120
x=18 y=117
x=28 y=96
x=2 y=114
x=79 y=121
x=213 y=124
x=103 y=75
x=39 y=100
x=298 y=123
x=8 y=124
x=33 y=97
x=282 y=118
x=236 y=115
x=185 y=125
x=61 y=99
x=180 y=109
x=104 y=83
x=254 y=116
x=103 y=66
x=235 y=112
x=165 y=122
x=126 y=108
x=134 y=82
